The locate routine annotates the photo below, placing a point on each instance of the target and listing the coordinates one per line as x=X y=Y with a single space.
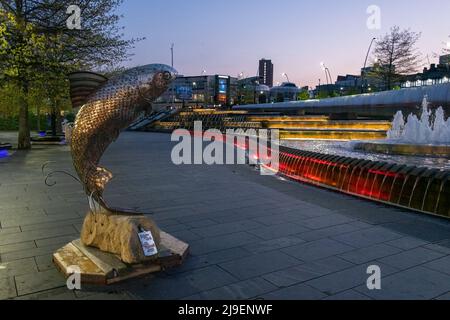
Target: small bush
x=12 y=123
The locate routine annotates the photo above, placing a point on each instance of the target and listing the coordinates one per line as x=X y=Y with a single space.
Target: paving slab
x=317 y=250
x=367 y=237
x=412 y=258
x=307 y=271
x=259 y=264
x=297 y=292
x=248 y=289
x=441 y=265
x=418 y=283
x=375 y=252
x=16 y=268
x=348 y=279
x=7 y=288
x=39 y=281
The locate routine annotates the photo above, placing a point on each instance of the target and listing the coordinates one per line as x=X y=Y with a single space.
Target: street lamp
x=171 y=51
x=172 y=46
x=285 y=75
x=365 y=65
x=318 y=88
x=327 y=73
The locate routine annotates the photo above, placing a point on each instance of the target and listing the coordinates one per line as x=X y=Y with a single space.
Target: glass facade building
x=208 y=91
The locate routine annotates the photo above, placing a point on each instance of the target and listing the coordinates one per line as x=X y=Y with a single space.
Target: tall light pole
x=285 y=75
x=171 y=51
x=327 y=72
x=173 y=88
x=363 y=74
x=318 y=88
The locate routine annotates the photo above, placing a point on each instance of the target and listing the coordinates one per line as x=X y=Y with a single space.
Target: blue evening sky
x=230 y=36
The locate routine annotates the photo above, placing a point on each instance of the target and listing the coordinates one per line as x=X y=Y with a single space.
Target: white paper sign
x=148 y=243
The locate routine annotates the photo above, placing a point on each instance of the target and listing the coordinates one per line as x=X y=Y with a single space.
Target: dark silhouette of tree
x=396 y=55
x=37 y=45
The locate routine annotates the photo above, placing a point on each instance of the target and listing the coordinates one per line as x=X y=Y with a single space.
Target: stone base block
x=119 y=235
x=100 y=268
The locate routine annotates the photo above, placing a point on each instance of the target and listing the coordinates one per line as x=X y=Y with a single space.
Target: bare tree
x=37 y=44
x=445 y=51
x=396 y=55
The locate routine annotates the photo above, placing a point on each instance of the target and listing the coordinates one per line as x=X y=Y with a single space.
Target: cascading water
x=431 y=128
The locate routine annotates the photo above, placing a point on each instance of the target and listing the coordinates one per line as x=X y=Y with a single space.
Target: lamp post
x=324 y=68
x=329 y=74
x=318 y=88
x=171 y=51
x=363 y=74
x=173 y=88
x=256 y=85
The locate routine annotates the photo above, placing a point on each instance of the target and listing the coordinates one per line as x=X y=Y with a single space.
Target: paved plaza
x=251 y=236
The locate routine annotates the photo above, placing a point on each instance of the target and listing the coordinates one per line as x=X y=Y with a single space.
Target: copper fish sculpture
x=113 y=106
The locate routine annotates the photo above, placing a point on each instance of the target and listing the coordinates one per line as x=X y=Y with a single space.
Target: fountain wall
x=382 y=104
x=416 y=188
x=426 y=135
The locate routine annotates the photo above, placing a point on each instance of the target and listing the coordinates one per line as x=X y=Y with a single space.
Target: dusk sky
x=229 y=37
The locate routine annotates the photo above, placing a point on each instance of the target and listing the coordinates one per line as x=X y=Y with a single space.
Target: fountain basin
x=416 y=188
x=434 y=151
x=326 y=134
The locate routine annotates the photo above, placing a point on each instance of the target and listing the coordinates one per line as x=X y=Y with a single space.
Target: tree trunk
x=59 y=119
x=56 y=120
x=24 y=142
x=53 y=121
x=38 y=124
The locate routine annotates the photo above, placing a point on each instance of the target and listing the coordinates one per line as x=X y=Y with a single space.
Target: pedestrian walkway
x=251 y=236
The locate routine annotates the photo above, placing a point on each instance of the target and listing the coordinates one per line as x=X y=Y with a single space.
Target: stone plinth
x=119 y=235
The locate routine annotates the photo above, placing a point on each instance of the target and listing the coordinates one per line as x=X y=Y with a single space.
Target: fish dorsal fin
x=82 y=85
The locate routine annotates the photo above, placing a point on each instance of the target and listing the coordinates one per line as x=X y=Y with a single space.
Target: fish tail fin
x=101 y=177
x=97 y=179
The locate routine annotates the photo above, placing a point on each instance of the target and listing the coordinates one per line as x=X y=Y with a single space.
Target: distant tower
x=266 y=72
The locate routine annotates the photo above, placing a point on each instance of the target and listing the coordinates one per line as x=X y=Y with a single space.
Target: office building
x=266 y=72
x=206 y=91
